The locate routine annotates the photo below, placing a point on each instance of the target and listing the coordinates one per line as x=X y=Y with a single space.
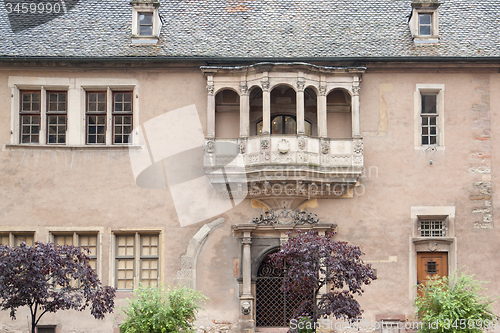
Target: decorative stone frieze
x=325 y=146
x=286 y=217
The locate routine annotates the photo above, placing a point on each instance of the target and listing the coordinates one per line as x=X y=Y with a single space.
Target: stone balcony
x=293 y=166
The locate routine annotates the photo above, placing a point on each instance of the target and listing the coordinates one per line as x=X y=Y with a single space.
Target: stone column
x=356 y=132
x=266 y=105
x=300 y=106
x=247 y=263
x=246 y=299
x=244 y=110
x=210 y=108
x=322 y=113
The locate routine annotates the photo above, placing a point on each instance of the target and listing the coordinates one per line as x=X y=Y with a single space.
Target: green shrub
x=454 y=305
x=160 y=310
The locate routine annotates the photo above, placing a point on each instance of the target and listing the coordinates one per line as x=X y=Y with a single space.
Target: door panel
x=431 y=264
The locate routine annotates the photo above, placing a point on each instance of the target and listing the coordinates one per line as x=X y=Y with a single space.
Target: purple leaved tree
x=49 y=278
x=312 y=261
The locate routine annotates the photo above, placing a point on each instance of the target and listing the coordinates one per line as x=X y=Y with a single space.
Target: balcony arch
x=227 y=113
x=255 y=106
x=339 y=113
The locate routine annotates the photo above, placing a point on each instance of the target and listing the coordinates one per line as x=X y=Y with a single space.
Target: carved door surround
x=263 y=235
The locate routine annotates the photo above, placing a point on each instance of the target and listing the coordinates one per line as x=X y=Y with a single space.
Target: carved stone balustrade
x=284 y=165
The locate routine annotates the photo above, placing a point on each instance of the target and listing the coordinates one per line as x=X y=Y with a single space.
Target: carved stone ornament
x=243 y=88
x=301 y=84
x=325 y=146
x=210 y=146
x=264 y=143
x=302 y=143
x=265 y=85
x=246 y=306
x=358 y=147
x=243 y=146
x=210 y=89
x=286 y=217
x=322 y=90
x=355 y=90
x=433 y=246
x=283 y=146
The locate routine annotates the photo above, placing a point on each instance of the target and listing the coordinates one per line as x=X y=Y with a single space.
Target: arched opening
x=227 y=114
x=255 y=101
x=338 y=105
x=273 y=307
x=311 y=111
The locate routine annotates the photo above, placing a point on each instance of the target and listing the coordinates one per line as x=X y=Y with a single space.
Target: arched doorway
x=273 y=307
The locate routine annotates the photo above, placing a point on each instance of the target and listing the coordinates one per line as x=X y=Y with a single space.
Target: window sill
x=426 y=40
x=429 y=148
x=64 y=147
x=138 y=40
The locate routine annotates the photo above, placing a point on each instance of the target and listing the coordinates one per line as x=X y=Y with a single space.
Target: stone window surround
x=138 y=232
x=299 y=76
x=145 y=7
x=424 y=7
x=76 y=231
x=430 y=244
x=76 y=89
x=419 y=90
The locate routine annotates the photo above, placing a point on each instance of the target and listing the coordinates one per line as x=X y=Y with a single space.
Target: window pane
x=63 y=240
x=149 y=245
x=126 y=245
x=429 y=102
x=56 y=129
x=277 y=125
x=425 y=18
x=18 y=239
x=146 y=24
x=4 y=240
x=290 y=125
x=30 y=128
x=90 y=243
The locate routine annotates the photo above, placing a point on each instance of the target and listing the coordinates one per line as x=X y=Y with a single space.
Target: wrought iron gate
x=273 y=307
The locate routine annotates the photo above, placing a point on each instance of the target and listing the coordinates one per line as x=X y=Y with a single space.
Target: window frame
x=115 y=114
x=96 y=113
x=57 y=113
x=426 y=89
x=137 y=258
x=430 y=24
x=30 y=113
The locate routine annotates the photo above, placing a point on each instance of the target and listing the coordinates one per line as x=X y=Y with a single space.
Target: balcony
x=284 y=165
x=293 y=130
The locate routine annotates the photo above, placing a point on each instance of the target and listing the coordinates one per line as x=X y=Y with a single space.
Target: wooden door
x=431 y=264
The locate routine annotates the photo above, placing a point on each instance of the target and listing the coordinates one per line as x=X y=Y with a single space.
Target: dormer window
x=424 y=24
x=146 y=22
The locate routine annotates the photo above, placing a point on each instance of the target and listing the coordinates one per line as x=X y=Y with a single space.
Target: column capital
x=265 y=84
x=355 y=88
x=243 y=88
x=301 y=83
x=322 y=90
x=210 y=89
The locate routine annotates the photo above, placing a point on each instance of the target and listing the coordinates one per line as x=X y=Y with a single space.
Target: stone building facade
x=181 y=141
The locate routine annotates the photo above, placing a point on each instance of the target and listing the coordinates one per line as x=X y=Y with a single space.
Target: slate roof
x=257 y=29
